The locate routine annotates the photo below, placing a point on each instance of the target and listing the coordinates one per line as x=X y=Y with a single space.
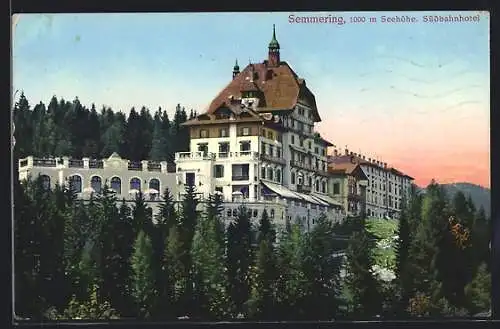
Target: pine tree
x=27 y=238
x=481 y=238
x=239 y=260
x=166 y=131
x=124 y=249
x=321 y=269
x=360 y=280
x=175 y=273
x=133 y=140
x=262 y=299
x=166 y=218
x=188 y=220
x=157 y=152
x=143 y=285
x=208 y=263
x=141 y=216
x=291 y=285
x=74 y=242
x=24 y=128
x=478 y=291
x=402 y=256
x=429 y=251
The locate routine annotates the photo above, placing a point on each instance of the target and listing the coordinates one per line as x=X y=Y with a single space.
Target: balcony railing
x=199 y=155
x=272 y=158
x=96 y=164
x=75 y=163
x=239 y=154
x=86 y=163
x=44 y=162
x=154 y=166
x=240 y=177
x=134 y=165
x=304 y=189
x=302 y=165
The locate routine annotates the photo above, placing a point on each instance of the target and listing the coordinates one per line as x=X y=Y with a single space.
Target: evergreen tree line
x=103 y=259
x=64 y=128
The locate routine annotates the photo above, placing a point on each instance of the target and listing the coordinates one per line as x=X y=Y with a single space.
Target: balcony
x=45 y=162
x=154 y=166
x=186 y=156
x=86 y=163
x=272 y=158
x=240 y=177
x=304 y=189
x=247 y=155
x=302 y=165
x=73 y=163
x=135 y=165
x=96 y=164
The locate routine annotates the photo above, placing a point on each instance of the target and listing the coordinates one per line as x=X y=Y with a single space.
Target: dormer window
x=203 y=133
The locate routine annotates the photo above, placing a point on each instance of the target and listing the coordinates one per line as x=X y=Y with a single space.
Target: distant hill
x=481 y=196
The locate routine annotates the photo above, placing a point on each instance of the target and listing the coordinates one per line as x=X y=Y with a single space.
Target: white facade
x=386 y=186
x=88 y=176
x=385 y=191
x=293 y=169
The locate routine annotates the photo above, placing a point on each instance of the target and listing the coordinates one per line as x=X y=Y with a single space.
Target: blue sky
x=360 y=73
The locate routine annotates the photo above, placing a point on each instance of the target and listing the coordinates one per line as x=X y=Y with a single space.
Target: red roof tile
x=281 y=87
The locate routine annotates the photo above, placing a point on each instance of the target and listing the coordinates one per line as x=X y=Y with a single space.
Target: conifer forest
x=104 y=259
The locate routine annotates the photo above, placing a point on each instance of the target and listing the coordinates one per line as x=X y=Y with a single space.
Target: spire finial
x=274 y=42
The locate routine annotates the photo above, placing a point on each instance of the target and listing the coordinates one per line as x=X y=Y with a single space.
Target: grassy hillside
x=385 y=230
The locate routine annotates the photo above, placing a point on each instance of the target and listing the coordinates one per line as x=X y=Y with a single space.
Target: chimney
x=369 y=159
x=364 y=157
x=385 y=165
x=335 y=152
x=346 y=152
x=351 y=153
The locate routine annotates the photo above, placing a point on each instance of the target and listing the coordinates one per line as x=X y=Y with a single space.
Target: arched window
x=135 y=184
x=154 y=184
x=278 y=175
x=96 y=183
x=323 y=187
x=116 y=185
x=154 y=189
x=45 y=182
x=75 y=184
x=316 y=185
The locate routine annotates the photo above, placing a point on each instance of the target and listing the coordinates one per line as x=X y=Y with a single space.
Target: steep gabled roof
x=282 y=89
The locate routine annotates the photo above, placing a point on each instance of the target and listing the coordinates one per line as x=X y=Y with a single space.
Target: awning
x=151 y=191
x=280 y=190
x=88 y=190
x=133 y=191
x=321 y=202
x=308 y=198
x=298 y=149
x=328 y=199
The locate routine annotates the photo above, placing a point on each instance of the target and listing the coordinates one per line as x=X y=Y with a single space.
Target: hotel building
x=386 y=186
x=256 y=145
x=87 y=176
